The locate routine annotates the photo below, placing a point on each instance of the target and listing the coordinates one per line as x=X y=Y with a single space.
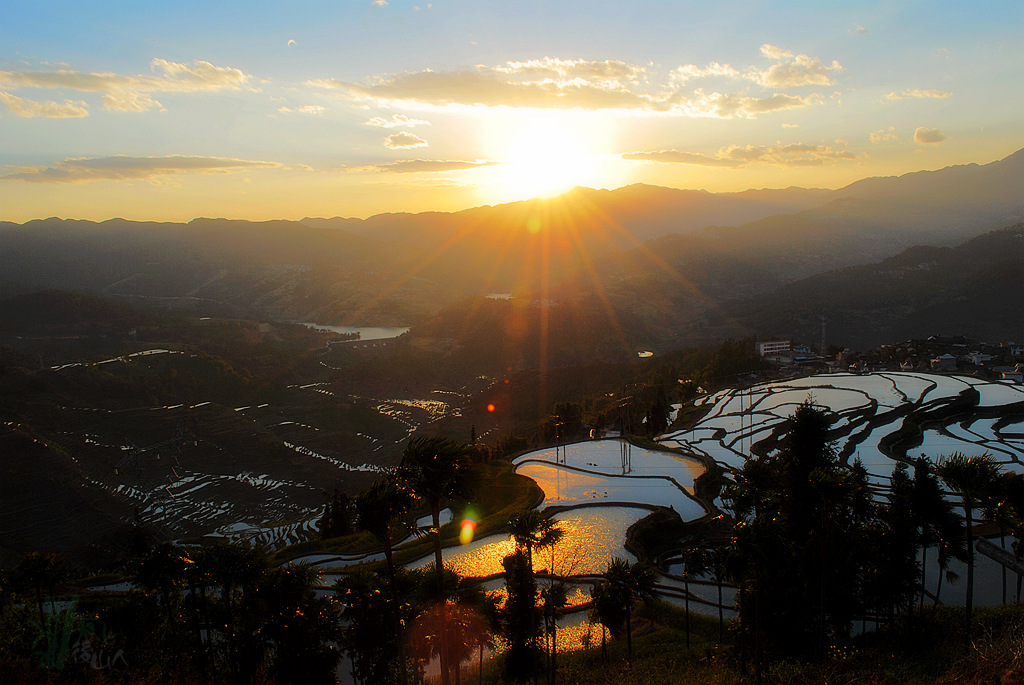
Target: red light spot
x=491 y=408
x=507 y=380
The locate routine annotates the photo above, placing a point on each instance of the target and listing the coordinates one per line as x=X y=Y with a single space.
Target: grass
x=918 y=650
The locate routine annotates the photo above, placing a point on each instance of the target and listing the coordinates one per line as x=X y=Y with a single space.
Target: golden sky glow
x=359 y=108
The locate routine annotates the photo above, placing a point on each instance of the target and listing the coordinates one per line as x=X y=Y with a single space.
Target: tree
x=974 y=479
x=937 y=522
x=236 y=570
x=339 y=514
x=800 y=522
x=39 y=571
x=437 y=470
x=553 y=600
x=609 y=611
x=298 y=629
x=718 y=564
x=628 y=583
x=696 y=562
x=531 y=530
x=466 y=619
x=520 y=617
x=378 y=510
x=368 y=633
x=383 y=506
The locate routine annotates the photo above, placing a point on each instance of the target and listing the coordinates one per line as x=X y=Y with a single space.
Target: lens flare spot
x=466 y=533
x=491 y=408
x=533 y=225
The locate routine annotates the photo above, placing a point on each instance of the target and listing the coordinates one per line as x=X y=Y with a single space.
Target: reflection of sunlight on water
x=592 y=537
x=576 y=632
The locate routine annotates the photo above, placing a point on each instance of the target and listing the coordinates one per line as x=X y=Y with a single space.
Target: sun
x=543 y=156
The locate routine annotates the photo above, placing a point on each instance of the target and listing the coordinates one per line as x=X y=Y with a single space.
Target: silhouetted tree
x=40 y=571
x=974 y=479
x=628 y=583
x=436 y=469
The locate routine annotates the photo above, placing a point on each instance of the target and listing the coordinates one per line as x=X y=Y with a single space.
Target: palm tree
x=608 y=610
x=719 y=566
x=628 y=583
x=298 y=628
x=553 y=600
x=40 y=570
x=532 y=530
x=234 y=567
x=378 y=510
x=974 y=479
x=695 y=562
x=436 y=469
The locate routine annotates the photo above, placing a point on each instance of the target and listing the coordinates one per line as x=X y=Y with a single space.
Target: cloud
x=728 y=106
x=130 y=93
x=609 y=72
x=857 y=30
x=396 y=121
x=884 y=136
x=422 y=166
x=775 y=52
x=677 y=157
x=121 y=167
x=918 y=93
x=928 y=136
x=501 y=87
x=792 y=71
x=316 y=110
x=551 y=83
x=691 y=72
x=21 y=107
x=403 y=141
x=130 y=101
x=379 y=3
x=736 y=156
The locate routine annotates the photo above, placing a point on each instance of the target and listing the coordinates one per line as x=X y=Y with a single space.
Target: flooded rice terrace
x=599 y=488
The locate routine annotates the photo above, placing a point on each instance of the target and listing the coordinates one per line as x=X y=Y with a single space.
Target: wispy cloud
x=404 y=141
x=396 y=121
x=129 y=93
x=789 y=71
x=551 y=83
x=857 y=30
x=120 y=167
x=918 y=93
x=679 y=157
x=23 y=107
x=792 y=71
x=305 y=109
x=928 y=136
x=736 y=156
x=885 y=135
x=422 y=166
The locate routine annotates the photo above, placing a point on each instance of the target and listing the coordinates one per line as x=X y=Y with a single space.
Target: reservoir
x=365 y=332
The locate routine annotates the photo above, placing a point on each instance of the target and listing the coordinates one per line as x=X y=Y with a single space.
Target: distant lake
x=365 y=332
x=498 y=296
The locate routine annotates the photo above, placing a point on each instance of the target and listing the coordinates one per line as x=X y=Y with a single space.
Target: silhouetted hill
x=974 y=289
x=398 y=269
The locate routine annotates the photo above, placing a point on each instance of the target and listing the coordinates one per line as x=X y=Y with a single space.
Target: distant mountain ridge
x=669 y=258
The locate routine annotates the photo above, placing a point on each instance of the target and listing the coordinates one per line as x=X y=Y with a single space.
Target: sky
x=270 y=110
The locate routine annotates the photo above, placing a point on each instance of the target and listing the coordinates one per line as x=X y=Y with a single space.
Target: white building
x=772 y=347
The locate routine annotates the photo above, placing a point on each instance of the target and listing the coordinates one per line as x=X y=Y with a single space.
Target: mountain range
x=678 y=264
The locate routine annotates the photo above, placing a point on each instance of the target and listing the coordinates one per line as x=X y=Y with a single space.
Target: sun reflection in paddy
x=592 y=536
